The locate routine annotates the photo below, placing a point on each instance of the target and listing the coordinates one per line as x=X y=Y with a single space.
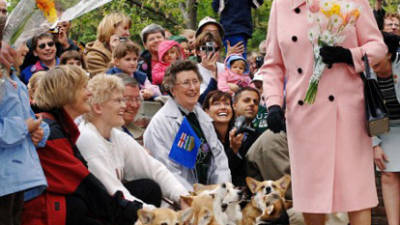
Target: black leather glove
x=276 y=119
x=336 y=54
x=392 y=42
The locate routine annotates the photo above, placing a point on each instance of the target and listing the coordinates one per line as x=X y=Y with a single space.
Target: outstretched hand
x=238 y=48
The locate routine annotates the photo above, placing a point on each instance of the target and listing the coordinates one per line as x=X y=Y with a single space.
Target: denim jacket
x=20 y=168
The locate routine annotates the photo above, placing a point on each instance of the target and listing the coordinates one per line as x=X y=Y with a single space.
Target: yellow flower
x=335 y=9
x=48 y=9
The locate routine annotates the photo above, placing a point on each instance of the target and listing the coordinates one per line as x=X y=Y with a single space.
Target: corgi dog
x=269 y=186
x=267 y=203
x=202 y=210
x=162 y=216
x=226 y=199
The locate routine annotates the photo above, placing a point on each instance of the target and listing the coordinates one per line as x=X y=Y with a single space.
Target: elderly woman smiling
x=77 y=195
x=182 y=80
x=116 y=158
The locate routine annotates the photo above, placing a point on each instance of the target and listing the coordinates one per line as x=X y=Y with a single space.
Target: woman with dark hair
x=218 y=105
x=44 y=50
x=74 y=195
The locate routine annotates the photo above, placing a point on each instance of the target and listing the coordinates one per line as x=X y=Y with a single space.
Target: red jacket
x=64 y=172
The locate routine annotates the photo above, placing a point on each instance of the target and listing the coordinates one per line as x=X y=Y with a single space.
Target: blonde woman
x=74 y=195
x=99 y=53
x=116 y=158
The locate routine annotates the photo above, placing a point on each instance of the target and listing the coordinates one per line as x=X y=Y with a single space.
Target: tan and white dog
x=268 y=201
x=225 y=201
x=202 y=210
x=162 y=216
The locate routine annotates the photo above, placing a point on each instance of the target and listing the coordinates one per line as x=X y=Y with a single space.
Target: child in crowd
x=125 y=59
x=184 y=44
x=169 y=51
x=73 y=57
x=236 y=74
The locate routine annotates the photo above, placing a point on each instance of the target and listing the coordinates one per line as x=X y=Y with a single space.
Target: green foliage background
x=167 y=14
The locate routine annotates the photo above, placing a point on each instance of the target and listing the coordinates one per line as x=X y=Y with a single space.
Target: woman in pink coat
x=330 y=152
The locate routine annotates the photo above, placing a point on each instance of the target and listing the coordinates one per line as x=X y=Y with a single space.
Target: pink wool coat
x=330 y=152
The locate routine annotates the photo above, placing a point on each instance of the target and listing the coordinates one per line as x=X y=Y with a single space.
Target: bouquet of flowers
x=329 y=19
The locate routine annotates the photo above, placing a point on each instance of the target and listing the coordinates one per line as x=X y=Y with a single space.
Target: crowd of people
x=73 y=150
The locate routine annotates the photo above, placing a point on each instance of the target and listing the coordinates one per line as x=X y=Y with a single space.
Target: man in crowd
x=245 y=106
x=133 y=103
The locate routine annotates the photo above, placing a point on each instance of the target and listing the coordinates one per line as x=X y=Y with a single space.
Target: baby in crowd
x=125 y=59
x=236 y=74
x=169 y=51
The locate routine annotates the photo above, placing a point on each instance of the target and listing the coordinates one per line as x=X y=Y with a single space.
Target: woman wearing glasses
x=113 y=156
x=182 y=81
x=44 y=50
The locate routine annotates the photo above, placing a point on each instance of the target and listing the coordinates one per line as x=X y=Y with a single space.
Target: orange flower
x=45 y=5
x=48 y=9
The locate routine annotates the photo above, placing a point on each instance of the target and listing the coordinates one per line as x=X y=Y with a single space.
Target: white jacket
x=159 y=137
x=123 y=159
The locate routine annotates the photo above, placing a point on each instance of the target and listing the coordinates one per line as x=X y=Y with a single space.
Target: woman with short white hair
x=113 y=156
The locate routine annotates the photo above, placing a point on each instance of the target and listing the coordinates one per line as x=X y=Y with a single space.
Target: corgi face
x=228 y=194
x=162 y=216
x=267 y=187
x=202 y=209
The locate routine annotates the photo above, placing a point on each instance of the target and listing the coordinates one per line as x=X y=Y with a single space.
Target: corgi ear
x=187 y=200
x=252 y=184
x=204 y=216
x=185 y=215
x=145 y=216
x=284 y=183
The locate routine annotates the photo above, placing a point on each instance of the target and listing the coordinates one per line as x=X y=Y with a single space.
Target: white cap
x=208 y=20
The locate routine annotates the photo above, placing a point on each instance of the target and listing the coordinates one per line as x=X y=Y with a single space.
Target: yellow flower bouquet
x=329 y=19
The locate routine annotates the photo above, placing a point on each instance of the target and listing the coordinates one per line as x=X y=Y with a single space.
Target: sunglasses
x=43 y=45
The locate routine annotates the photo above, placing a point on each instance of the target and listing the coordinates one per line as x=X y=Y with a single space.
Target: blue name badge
x=185 y=147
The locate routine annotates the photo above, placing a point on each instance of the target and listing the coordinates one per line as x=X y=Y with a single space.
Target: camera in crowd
x=208 y=48
x=241 y=125
x=55 y=30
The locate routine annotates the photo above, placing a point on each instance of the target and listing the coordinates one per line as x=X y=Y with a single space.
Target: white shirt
x=123 y=159
x=208 y=74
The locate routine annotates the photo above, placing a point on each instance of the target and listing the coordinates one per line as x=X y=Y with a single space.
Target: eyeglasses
x=43 y=45
x=187 y=83
x=132 y=100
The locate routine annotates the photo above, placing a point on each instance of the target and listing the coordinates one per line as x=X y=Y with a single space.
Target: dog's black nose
x=268 y=190
x=224 y=206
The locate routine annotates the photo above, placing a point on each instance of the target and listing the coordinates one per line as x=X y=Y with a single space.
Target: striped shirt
x=386 y=85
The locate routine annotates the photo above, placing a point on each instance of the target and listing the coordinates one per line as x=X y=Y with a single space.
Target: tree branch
x=155 y=12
